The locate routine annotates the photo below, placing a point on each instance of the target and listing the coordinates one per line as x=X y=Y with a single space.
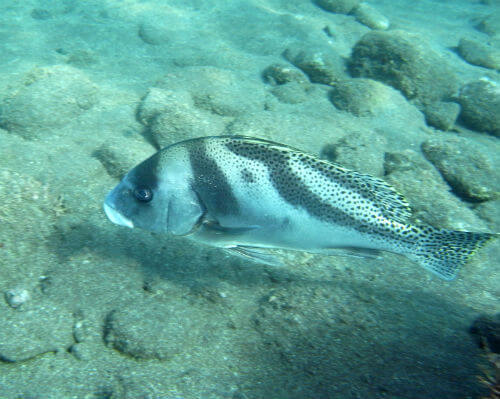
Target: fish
x=249 y=196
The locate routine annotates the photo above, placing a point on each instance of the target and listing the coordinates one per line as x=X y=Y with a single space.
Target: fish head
x=138 y=201
x=155 y=196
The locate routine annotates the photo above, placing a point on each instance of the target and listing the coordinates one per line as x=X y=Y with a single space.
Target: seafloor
x=405 y=90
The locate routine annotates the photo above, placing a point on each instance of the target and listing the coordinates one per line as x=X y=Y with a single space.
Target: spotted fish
x=246 y=195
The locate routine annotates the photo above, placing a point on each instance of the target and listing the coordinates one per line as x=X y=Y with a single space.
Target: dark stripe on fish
x=145 y=175
x=209 y=181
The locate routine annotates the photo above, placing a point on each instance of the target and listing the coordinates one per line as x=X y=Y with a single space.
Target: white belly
x=264 y=224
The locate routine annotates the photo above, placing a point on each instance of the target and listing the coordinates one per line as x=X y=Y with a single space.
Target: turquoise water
x=402 y=91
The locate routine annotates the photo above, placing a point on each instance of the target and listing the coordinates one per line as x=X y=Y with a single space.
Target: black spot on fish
x=247 y=176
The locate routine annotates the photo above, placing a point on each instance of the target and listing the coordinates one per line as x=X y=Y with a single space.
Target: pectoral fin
x=228 y=230
x=254 y=254
x=184 y=214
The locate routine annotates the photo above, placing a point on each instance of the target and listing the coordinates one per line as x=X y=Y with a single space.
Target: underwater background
x=403 y=90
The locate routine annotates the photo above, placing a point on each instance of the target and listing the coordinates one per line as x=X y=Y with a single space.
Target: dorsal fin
x=392 y=204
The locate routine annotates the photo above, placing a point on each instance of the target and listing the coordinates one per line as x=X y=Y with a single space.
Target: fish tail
x=444 y=252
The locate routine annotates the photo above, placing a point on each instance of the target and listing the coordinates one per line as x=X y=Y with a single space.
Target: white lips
x=116 y=217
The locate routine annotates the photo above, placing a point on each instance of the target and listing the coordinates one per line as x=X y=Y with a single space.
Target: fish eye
x=143 y=194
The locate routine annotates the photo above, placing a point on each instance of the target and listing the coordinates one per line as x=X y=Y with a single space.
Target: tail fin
x=444 y=252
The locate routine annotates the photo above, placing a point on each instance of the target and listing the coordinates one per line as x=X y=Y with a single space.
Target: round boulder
x=320 y=64
x=480 y=103
x=365 y=97
x=406 y=62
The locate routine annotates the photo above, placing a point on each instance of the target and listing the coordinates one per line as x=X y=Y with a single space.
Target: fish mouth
x=116 y=217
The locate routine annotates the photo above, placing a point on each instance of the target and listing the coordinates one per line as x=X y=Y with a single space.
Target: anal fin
x=254 y=254
x=353 y=252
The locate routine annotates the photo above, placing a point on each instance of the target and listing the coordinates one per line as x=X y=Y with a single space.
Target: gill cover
x=184 y=212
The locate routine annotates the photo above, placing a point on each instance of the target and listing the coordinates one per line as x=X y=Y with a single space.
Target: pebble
x=322 y=65
x=279 y=74
x=370 y=16
x=337 y=6
x=17 y=296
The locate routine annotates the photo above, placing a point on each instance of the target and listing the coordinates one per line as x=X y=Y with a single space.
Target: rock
x=278 y=74
x=427 y=193
x=47 y=98
x=366 y=97
x=80 y=330
x=489 y=211
x=220 y=91
x=401 y=161
x=406 y=62
x=40 y=14
x=384 y=110
x=153 y=330
x=172 y=116
x=82 y=58
x=156 y=101
x=290 y=93
x=480 y=103
x=28 y=209
x=32 y=332
x=113 y=161
x=16 y=297
x=24 y=198
x=344 y=35
x=360 y=152
x=490 y=24
x=161 y=28
x=338 y=6
x=441 y=115
x=300 y=130
x=477 y=53
x=468 y=166
x=253 y=29
x=299 y=324
x=371 y=17
x=81 y=351
x=153 y=34
x=321 y=65
x=118 y=155
x=486 y=331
